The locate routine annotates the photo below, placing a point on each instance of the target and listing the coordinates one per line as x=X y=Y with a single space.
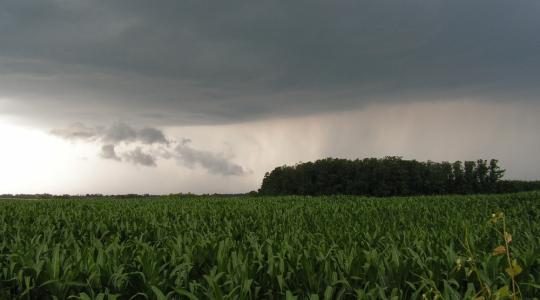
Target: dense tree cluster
x=389 y=176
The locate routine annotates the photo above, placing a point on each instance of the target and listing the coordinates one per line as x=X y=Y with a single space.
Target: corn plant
x=339 y=247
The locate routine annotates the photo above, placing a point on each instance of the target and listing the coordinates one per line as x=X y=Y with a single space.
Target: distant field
x=443 y=247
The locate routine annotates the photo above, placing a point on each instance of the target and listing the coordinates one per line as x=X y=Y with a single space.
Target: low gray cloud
x=114 y=134
x=77 y=131
x=165 y=148
x=139 y=157
x=119 y=132
x=108 y=152
x=149 y=136
x=194 y=62
x=213 y=162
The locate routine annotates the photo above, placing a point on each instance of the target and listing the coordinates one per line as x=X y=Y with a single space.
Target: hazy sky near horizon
x=198 y=96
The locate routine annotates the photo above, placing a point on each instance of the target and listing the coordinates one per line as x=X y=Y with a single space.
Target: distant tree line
x=514 y=186
x=120 y=196
x=389 y=176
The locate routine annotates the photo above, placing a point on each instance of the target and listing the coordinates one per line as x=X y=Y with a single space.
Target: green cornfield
x=339 y=247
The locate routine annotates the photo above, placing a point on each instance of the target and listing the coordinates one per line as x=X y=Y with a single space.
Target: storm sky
x=141 y=96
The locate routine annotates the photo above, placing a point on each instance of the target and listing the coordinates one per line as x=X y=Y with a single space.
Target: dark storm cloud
x=187 y=62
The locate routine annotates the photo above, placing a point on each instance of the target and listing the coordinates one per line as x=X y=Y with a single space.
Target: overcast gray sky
x=200 y=96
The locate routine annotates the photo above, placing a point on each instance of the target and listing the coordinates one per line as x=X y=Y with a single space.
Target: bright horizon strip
x=34 y=161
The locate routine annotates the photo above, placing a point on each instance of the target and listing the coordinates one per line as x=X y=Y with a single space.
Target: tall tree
x=482 y=175
x=495 y=173
x=469 y=177
x=459 y=178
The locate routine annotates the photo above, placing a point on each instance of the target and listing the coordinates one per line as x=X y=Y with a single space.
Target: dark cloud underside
x=186 y=62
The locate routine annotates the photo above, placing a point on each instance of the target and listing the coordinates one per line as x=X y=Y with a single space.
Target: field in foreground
x=271 y=247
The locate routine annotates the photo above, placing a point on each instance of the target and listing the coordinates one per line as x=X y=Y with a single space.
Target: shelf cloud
x=200 y=62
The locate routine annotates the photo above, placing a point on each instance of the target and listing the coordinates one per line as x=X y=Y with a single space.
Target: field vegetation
x=340 y=247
